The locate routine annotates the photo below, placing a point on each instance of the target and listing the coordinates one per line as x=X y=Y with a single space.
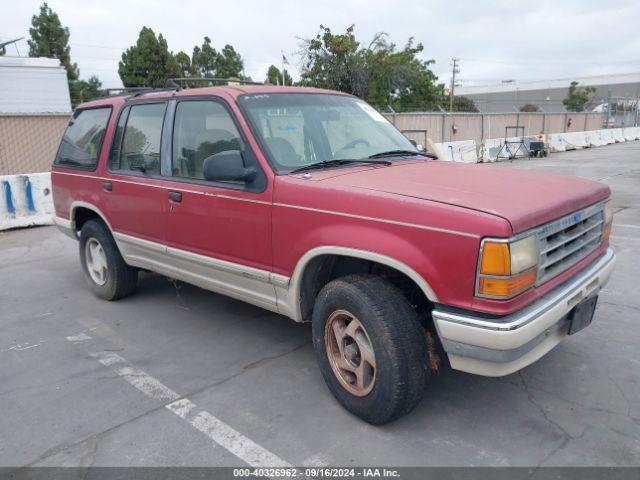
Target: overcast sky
x=495 y=40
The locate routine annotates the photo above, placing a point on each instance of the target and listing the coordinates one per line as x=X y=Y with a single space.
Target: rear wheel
x=370 y=347
x=108 y=275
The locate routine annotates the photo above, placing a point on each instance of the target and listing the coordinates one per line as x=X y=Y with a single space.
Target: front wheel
x=370 y=347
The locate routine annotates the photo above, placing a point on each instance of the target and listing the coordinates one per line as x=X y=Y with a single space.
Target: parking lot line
x=221 y=433
x=148 y=385
x=224 y=435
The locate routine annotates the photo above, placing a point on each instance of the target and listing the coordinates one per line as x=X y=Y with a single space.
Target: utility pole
x=453 y=82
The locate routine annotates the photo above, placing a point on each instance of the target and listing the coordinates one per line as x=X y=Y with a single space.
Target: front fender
x=419 y=254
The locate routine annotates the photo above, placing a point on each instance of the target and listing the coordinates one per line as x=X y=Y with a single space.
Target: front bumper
x=499 y=346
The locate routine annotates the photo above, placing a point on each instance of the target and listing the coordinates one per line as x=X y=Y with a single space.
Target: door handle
x=175 y=196
x=107 y=186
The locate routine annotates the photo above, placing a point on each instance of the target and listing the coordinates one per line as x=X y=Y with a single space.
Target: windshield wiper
x=401 y=153
x=336 y=162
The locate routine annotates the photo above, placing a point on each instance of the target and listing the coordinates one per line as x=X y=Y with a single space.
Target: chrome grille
x=564 y=242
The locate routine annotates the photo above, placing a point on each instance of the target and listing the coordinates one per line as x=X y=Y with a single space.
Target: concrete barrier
x=607 y=136
x=596 y=139
x=576 y=140
x=491 y=148
x=25 y=200
x=559 y=142
x=631 y=133
x=556 y=142
x=618 y=135
x=464 y=151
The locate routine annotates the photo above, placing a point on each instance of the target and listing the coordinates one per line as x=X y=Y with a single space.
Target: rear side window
x=139 y=140
x=82 y=141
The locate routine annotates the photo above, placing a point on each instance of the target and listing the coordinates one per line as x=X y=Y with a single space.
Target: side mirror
x=227 y=166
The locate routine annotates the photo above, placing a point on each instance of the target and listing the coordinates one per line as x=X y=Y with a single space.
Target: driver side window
x=202 y=128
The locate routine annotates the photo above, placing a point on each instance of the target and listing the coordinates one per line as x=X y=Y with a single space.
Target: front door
x=218 y=234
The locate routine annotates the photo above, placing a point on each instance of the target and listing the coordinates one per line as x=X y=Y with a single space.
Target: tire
x=391 y=328
x=110 y=278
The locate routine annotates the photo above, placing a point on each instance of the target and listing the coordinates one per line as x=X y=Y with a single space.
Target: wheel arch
x=298 y=288
x=78 y=207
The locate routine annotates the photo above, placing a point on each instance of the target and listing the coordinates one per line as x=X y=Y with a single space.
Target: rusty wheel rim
x=350 y=353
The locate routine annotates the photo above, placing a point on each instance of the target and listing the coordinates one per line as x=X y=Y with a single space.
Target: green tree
x=204 y=59
x=529 y=107
x=380 y=73
x=335 y=61
x=230 y=63
x=274 y=76
x=184 y=62
x=148 y=63
x=207 y=62
x=577 y=97
x=464 y=104
x=50 y=39
x=399 y=78
x=85 y=90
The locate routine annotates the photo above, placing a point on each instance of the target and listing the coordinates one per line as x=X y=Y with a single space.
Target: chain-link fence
x=621 y=112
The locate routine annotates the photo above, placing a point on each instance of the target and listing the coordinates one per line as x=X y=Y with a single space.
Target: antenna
x=9 y=42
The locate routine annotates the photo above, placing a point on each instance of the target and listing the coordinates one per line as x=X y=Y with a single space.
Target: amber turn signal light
x=496 y=259
x=507 y=287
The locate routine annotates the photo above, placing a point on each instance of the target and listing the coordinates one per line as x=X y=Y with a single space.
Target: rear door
x=133 y=186
x=218 y=233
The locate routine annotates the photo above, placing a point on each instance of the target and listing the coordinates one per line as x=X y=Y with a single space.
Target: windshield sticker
x=372 y=112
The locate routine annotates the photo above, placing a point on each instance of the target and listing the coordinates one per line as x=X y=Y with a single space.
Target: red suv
x=310 y=204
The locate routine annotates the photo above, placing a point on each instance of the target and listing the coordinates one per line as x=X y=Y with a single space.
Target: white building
x=34 y=110
x=548 y=94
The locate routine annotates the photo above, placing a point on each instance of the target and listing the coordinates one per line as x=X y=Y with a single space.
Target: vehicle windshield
x=299 y=129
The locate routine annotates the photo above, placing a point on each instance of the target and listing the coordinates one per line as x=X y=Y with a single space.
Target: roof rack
x=134 y=91
x=173 y=84
x=116 y=92
x=185 y=81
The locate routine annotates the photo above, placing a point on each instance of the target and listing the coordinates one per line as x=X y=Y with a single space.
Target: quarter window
x=140 y=145
x=202 y=128
x=82 y=141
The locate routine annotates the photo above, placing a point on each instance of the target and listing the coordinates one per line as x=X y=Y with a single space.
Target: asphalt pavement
x=178 y=376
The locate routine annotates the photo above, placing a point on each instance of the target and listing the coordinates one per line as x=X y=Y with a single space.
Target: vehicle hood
x=523 y=197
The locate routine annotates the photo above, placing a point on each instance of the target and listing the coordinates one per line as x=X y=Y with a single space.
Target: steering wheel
x=355 y=142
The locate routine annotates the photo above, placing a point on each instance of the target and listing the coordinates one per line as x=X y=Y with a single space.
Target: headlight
x=524 y=254
x=608 y=219
x=507 y=268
